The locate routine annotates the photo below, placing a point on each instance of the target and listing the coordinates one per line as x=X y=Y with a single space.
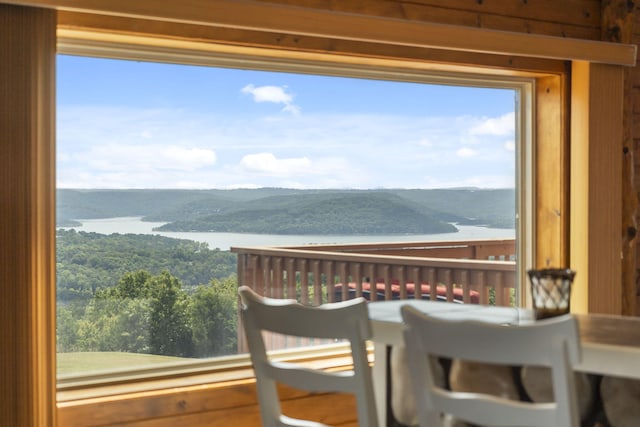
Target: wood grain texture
x=584 y=13
x=596 y=187
x=255 y=15
x=551 y=183
x=27 y=230
x=80 y=23
x=617 y=26
x=206 y=405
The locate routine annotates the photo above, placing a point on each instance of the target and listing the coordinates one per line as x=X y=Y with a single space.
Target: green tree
x=66 y=329
x=144 y=313
x=132 y=285
x=170 y=332
x=106 y=324
x=213 y=314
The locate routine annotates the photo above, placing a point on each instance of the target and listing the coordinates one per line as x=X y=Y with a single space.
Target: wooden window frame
x=535 y=91
x=117 y=47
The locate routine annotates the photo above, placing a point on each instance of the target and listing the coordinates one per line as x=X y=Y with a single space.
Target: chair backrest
x=553 y=343
x=348 y=320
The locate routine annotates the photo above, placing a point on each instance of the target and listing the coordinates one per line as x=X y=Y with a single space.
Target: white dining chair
x=347 y=320
x=552 y=342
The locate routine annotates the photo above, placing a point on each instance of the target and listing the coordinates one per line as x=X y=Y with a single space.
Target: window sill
x=168 y=376
x=193 y=400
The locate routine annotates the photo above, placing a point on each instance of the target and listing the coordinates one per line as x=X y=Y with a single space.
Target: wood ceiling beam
x=254 y=15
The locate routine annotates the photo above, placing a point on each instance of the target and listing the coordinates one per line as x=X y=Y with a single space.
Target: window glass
x=162 y=168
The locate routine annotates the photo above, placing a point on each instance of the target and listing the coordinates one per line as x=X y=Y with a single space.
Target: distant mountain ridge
x=292 y=211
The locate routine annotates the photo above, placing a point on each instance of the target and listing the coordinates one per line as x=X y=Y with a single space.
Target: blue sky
x=127 y=124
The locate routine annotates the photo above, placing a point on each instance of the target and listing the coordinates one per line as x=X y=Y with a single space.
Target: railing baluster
x=479 y=283
x=276 y=279
x=460 y=282
x=466 y=287
x=344 y=279
x=400 y=276
x=290 y=273
x=509 y=281
x=330 y=278
x=495 y=280
x=430 y=274
x=386 y=279
x=304 y=281
x=356 y=273
x=373 y=294
x=265 y=262
x=252 y=273
x=417 y=282
x=317 y=282
x=444 y=277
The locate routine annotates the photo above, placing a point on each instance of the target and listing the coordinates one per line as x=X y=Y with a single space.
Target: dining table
x=610 y=343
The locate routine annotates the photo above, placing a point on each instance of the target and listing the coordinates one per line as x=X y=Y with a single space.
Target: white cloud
x=184 y=158
x=274 y=94
x=503 y=125
x=145 y=148
x=125 y=157
x=510 y=145
x=269 y=164
x=466 y=152
x=425 y=142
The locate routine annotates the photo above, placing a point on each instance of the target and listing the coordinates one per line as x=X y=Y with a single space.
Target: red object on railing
x=441 y=292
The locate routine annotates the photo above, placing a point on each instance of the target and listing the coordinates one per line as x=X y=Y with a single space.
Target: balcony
x=468 y=272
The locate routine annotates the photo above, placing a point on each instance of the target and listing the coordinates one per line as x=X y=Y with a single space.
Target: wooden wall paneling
x=76 y=26
x=320 y=23
x=634 y=94
x=596 y=187
x=580 y=19
x=617 y=26
x=211 y=405
x=573 y=12
x=629 y=249
x=552 y=179
x=547 y=26
x=584 y=13
x=632 y=91
x=27 y=228
x=132 y=407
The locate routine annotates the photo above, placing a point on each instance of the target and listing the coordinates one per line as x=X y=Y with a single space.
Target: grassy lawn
x=84 y=362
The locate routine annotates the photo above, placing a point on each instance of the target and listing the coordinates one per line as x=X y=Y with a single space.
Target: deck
x=468 y=272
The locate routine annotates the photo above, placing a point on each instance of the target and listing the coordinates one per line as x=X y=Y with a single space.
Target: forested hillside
x=326 y=213
x=290 y=211
x=144 y=294
x=87 y=262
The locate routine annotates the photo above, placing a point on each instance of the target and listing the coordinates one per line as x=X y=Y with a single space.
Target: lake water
x=224 y=241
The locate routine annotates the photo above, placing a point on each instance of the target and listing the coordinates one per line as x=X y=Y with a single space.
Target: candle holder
x=551 y=291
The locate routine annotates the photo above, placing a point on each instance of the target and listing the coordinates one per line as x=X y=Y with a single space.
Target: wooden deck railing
x=482 y=271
